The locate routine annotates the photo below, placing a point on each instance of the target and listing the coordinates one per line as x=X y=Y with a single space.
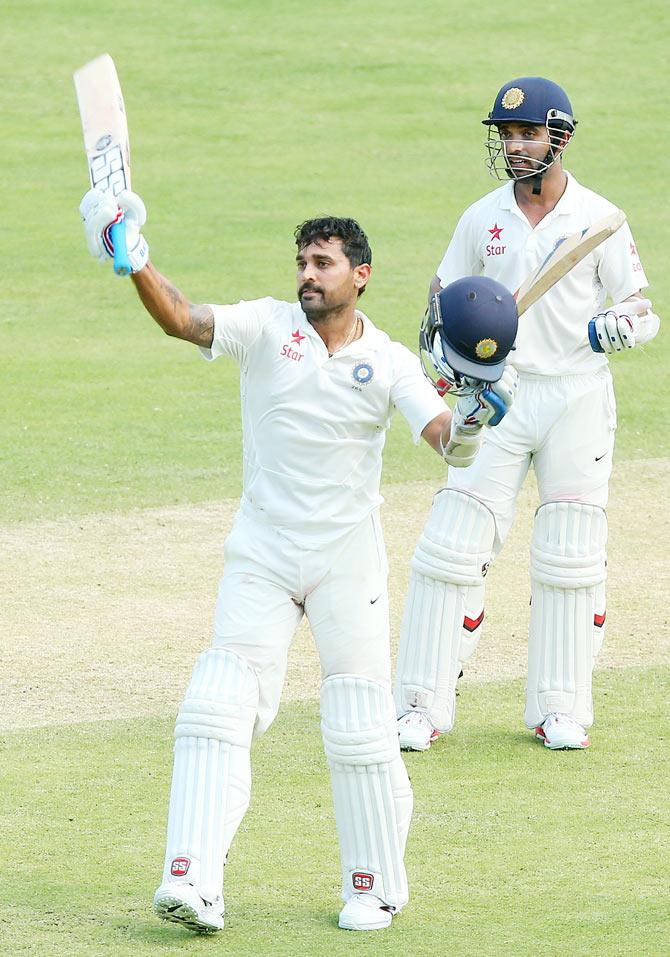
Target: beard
x=315 y=306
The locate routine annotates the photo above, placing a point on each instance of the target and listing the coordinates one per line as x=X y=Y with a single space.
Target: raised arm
x=163 y=301
x=172 y=311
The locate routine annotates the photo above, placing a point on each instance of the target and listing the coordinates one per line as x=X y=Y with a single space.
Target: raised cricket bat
x=103 y=120
x=564 y=257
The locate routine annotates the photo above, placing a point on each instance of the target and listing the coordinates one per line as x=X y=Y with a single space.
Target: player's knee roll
x=358 y=721
x=568 y=546
x=221 y=701
x=457 y=540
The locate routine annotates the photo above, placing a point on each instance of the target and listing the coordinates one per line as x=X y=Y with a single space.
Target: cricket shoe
x=415 y=731
x=365 y=912
x=560 y=731
x=181 y=904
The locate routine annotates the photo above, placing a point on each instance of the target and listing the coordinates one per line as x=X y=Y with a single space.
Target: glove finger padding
x=134 y=210
x=135 y=216
x=616 y=328
x=99 y=210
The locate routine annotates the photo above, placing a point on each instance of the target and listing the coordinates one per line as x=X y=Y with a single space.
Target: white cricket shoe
x=365 y=912
x=561 y=731
x=181 y=904
x=415 y=731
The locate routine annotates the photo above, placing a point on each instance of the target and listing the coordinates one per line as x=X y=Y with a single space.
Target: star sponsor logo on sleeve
x=637 y=265
x=496 y=246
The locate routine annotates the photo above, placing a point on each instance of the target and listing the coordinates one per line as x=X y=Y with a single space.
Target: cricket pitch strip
x=105 y=614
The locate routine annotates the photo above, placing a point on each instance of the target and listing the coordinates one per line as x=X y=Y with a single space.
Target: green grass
x=245 y=119
x=513 y=850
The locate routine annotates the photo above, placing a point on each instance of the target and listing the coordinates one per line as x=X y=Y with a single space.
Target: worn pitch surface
x=105 y=614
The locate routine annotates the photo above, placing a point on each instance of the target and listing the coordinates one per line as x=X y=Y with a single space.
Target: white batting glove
x=100 y=211
x=617 y=328
x=504 y=392
x=486 y=406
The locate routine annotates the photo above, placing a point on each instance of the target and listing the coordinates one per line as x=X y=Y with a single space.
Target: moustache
x=308 y=287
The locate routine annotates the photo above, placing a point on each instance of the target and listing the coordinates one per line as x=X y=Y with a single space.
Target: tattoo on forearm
x=172 y=293
x=201 y=329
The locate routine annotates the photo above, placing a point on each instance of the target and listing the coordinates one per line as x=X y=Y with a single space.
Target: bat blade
x=106 y=142
x=564 y=257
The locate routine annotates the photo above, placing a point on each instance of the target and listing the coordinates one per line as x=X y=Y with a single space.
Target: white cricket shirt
x=314 y=426
x=494 y=238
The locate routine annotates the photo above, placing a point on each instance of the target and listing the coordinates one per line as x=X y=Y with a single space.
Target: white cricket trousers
x=564 y=426
x=269 y=583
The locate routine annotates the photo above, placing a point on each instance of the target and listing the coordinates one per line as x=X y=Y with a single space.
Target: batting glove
x=618 y=328
x=485 y=406
x=100 y=211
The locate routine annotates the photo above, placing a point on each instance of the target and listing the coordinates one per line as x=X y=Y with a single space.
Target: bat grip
x=499 y=406
x=593 y=338
x=122 y=265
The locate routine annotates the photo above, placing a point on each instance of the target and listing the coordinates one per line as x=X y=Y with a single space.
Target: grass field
x=247 y=118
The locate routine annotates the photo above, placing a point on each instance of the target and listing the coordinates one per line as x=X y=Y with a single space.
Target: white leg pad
x=444 y=609
x=372 y=795
x=211 y=780
x=568 y=571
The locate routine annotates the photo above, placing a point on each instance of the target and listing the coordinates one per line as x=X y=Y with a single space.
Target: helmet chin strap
x=548 y=162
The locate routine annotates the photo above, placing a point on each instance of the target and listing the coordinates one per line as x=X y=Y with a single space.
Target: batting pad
x=211 y=780
x=371 y=791
x=568 y=571
x=444 y=608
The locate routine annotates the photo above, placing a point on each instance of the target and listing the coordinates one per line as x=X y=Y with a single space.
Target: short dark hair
x=355 y=243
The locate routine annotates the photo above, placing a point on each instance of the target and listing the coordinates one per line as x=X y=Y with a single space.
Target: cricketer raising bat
x=103 y=120
x=563 y=257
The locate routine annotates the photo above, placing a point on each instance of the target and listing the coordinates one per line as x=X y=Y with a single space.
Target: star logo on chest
x=296 y=337
x=496 y=231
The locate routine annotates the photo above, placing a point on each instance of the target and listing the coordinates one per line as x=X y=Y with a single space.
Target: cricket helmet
x=467 y=333
x=532 y=99
x=535 y=100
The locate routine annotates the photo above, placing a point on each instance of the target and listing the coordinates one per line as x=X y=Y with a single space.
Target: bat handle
x=498 y=405
x=593 y=337
x=122 y=265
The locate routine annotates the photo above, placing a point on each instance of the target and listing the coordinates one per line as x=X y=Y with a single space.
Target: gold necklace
x=348 y=340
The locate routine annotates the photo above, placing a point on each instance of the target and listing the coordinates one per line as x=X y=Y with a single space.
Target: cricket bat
x=103 y=120
x=563 y=257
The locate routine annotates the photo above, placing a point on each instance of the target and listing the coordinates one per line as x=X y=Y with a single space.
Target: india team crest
x=486 y=348
x=363 y=373
x=513 y=98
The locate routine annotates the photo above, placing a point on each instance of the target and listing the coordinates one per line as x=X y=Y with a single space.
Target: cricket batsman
x=319 y=383
x=562 y=424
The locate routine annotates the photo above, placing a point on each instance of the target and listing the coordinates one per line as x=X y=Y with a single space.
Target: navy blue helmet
x=467 y=333
x=532 y=99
